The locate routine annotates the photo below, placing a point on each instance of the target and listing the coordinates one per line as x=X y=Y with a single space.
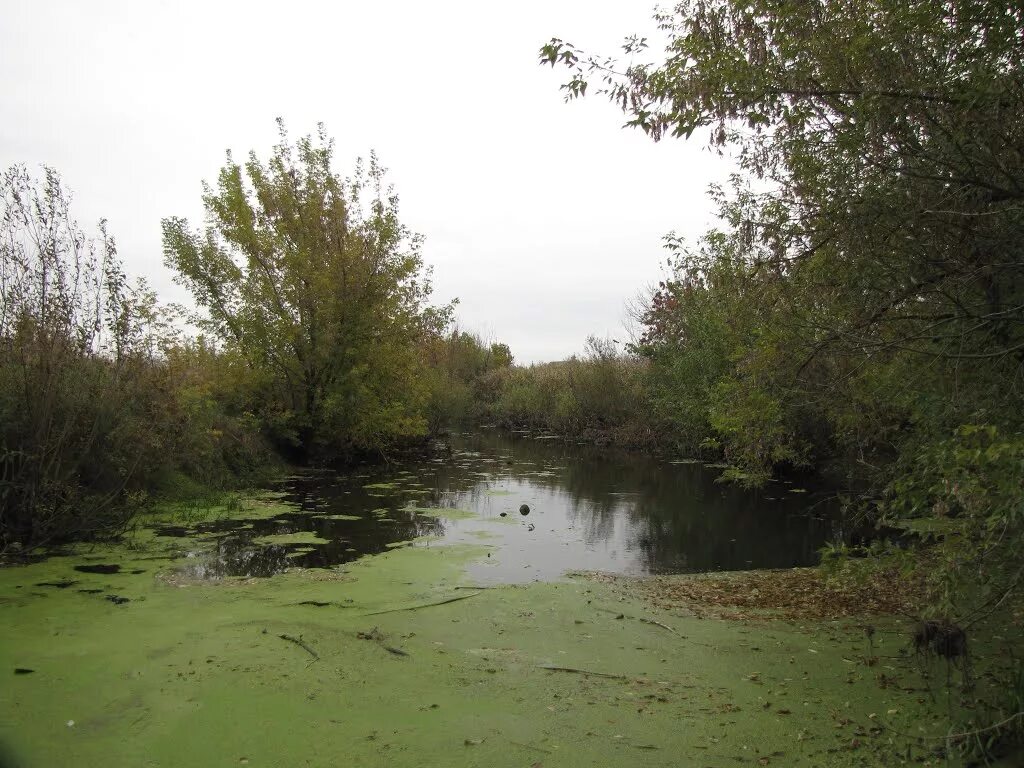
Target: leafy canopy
x=317 y=283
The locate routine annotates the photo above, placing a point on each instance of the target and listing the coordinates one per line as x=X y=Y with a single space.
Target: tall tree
x=891 y=133
x=869 y=285
x=316 y=281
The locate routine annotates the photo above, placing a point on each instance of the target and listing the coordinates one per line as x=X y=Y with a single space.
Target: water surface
x=589 y=509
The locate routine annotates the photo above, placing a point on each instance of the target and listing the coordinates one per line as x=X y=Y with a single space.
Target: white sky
x=544 y=218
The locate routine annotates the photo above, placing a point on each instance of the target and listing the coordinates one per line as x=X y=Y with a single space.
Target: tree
x=880 y=252
x=865 y=293
x=891 y=137
x=317 y=283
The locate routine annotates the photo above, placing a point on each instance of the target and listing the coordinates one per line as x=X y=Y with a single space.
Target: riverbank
x=397 y=659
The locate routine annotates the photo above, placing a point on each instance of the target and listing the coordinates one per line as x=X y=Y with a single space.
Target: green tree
x=320 y=287
x=864 y=294
x=891 y=137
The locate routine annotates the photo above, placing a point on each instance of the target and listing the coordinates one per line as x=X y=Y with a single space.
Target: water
x=590 y=509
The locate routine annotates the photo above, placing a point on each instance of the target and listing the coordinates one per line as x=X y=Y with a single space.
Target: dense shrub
x=79 y=409
x=459 y=368
x=100 y=405
x=602 y=396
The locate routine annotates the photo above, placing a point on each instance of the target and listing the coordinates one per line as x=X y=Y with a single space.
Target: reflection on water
x=590 y=509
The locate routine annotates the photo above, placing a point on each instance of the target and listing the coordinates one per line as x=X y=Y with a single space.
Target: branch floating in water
x=299 y=642
x=423 y=605
x=657 y=624
x=643 y=619
x=551 y=668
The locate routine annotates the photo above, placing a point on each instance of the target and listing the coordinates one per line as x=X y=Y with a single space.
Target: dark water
x=590 y=509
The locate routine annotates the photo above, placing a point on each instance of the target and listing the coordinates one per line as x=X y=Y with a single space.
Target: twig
x=657 y=624
x=551 y=668
x=980 y=612
x=955 y=736
x=423 y=605
x=529 y=746
x=641 y=618
x=298 y=641
x=375 y=635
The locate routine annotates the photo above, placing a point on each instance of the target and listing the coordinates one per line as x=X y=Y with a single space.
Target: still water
x=589 y=509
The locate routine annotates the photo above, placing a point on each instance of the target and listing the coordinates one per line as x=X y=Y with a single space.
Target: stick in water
x=298 y=641
x=584 y=672
x=423 y=605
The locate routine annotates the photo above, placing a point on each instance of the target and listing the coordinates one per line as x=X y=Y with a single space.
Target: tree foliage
x=76 y=401
x=863 y=297
x=102 y=404
x=317 y=284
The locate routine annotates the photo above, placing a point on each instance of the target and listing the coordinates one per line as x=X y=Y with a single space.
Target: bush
x=79 y=414
x=603 y=397
x=99 y=406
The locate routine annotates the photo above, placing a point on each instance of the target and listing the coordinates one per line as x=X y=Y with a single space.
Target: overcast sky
x=544 y=218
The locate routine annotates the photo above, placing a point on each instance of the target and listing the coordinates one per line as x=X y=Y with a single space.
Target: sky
x=544 y=218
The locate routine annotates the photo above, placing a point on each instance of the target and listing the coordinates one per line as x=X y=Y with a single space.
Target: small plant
x=1000 y=731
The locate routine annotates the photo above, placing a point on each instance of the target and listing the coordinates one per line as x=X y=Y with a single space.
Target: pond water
x=588 y=509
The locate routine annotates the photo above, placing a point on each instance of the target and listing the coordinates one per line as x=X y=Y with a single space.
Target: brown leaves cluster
x=795 y=593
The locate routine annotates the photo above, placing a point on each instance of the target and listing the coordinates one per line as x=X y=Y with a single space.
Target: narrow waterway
x=542 y=506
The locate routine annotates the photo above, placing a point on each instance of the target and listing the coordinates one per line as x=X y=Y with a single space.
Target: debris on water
x=301 y=643
x=90 y=591
x=106 y=568
x=376 y=636
x=524 y=509
x=23 y=671
x=62 y=584
x=117 y=599
x=503 y=514
x=71 y=723
x=940 y=638
x=530 y=527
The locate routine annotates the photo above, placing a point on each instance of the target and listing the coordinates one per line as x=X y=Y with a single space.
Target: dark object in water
x=940 y=638
x=943 y=638
x=301 y=643
x=524 y=509
x=23 y=671
x=63 y=584
x=375 y=635
x=317 y=603
x=98 y=568
x=117 y=599
x=503 y=514
x=137 y=571
x=90 y=591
